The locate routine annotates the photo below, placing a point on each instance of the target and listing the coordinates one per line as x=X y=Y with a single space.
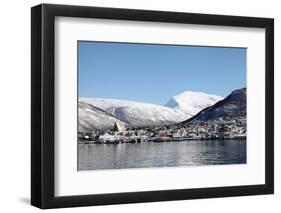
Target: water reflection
x=167 y=154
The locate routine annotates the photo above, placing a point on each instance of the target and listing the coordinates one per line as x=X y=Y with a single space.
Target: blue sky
x=154 y=73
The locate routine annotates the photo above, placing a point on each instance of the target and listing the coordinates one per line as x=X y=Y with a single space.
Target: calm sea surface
x=165 y=154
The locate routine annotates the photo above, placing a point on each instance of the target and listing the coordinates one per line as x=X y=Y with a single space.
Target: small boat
x=111 y=142
x=161 y=139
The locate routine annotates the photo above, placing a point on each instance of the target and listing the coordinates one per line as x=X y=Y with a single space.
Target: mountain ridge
x=102 y=114
x=234 y=105
x=139 y=114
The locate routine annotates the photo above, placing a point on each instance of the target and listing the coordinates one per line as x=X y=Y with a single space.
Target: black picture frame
x=43 y=102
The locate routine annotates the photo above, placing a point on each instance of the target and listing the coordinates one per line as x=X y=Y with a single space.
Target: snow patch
x=192 y=102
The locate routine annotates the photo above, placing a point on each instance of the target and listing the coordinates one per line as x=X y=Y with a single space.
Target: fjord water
x=164 y=154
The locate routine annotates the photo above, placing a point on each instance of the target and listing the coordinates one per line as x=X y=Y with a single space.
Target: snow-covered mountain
x=192 y=102
x=92 y=118
x=138 y=114
x=100 y=114
x=233 y=106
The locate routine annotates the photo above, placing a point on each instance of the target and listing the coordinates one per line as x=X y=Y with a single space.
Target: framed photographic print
x=139 y=106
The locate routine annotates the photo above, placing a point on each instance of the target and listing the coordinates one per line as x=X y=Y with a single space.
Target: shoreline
x=160 y=140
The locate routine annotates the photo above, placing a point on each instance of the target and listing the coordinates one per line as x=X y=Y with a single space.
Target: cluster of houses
x=232 y=128
x=219 y=129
